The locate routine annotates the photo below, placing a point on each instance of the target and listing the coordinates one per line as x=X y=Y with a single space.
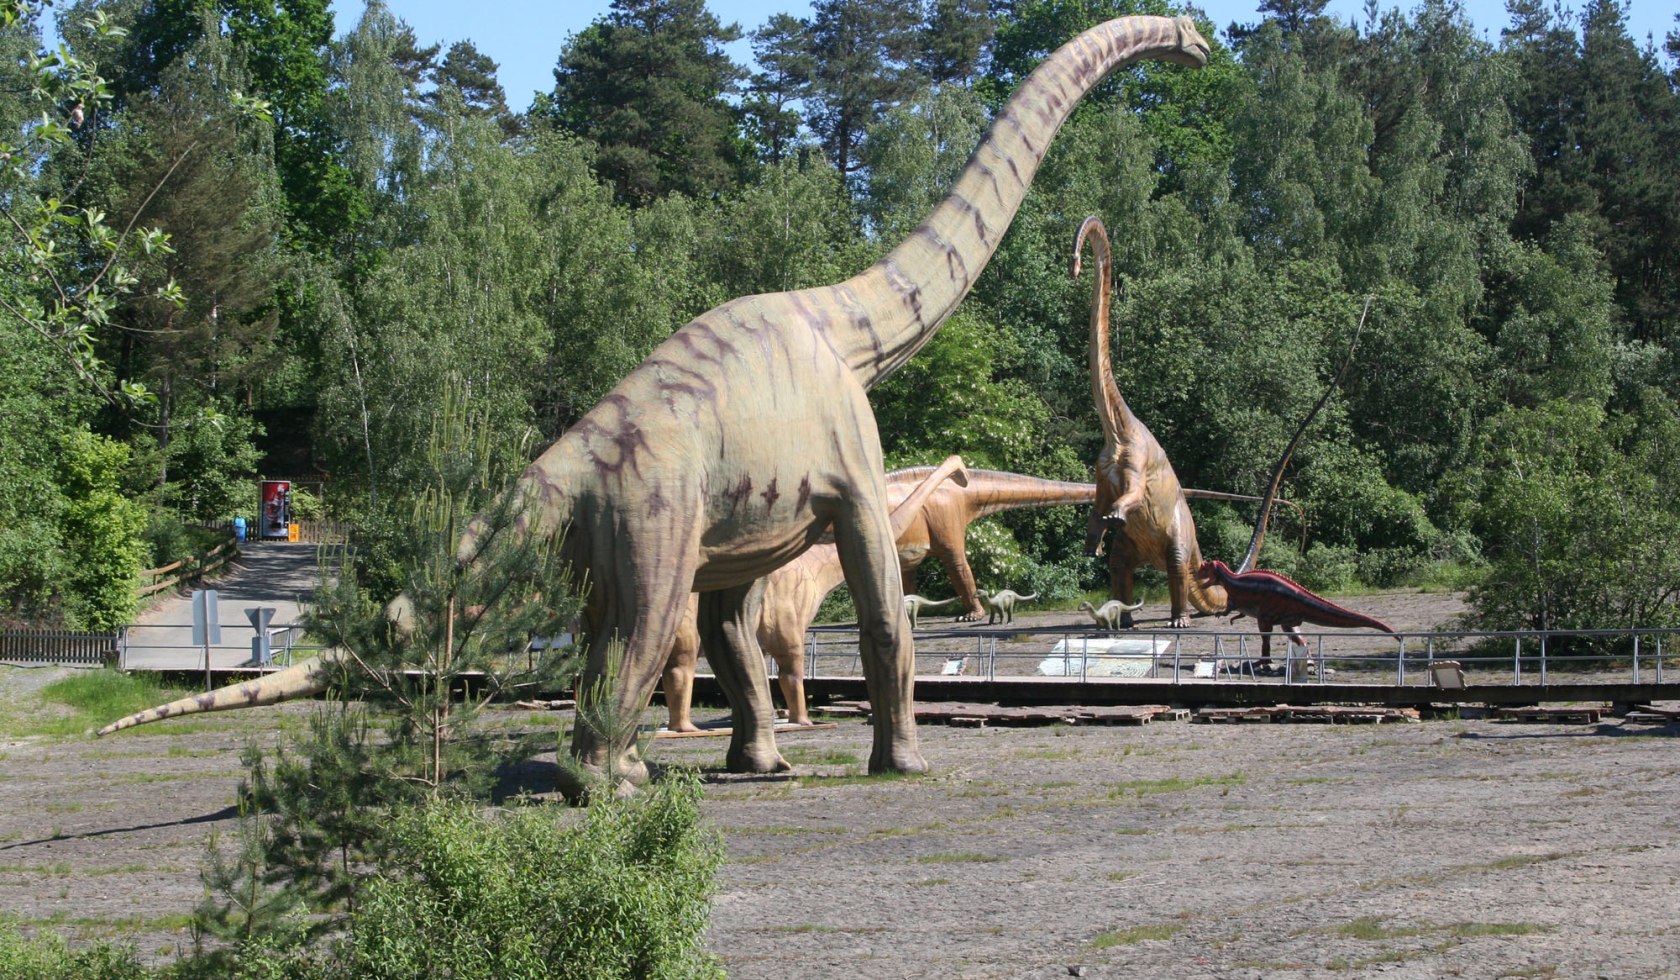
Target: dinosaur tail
x=1028 y=598
x=1253 y=554
x=299 y=680
x=926 y=276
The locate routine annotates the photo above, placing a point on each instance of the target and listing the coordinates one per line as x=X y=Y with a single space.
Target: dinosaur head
x=1212 y=572
x=1087 y=607
x=1192 y=49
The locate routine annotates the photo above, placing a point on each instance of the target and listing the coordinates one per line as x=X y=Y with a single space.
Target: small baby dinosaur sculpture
x=1110 y=615
x=1001 y=604
x=914 y=604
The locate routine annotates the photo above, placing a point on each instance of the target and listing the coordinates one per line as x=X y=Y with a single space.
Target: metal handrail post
x=1178 y=650
x=1636 y=658
x=1516 y=662
x=1400 y=665
x=1084 y=659
x=1545 y=678
x=1659 y=658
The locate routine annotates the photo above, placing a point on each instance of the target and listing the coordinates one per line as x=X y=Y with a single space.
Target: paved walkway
x=272 y=574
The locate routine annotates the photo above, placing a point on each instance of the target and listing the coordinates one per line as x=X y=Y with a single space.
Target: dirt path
x=1444 y=848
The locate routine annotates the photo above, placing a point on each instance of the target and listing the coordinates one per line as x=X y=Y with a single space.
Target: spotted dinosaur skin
x=1275 y=600
x=792 y=595
x=1138 y=493
x=669 y=485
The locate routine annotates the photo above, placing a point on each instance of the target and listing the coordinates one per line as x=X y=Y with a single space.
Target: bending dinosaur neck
x=1112 y=412
x=829 y=574
x=896 y=305
x=1252 y=555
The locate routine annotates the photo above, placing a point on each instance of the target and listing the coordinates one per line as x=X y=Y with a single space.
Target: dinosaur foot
x=969 y=617
x=755 y=760
x=1179 y=623
x=908 y=761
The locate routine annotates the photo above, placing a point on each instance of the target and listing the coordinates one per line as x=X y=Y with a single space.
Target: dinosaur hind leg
x=868 y=558
x=728 y=630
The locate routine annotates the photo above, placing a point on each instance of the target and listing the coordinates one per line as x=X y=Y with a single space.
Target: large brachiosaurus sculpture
x=668 y=486
x=792 y=595
x=1138 y=494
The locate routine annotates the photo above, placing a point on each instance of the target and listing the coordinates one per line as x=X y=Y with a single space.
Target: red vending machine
x=276 y=497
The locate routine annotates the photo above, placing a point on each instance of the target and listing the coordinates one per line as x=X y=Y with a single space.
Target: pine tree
x=648 y=85
x=864 y=53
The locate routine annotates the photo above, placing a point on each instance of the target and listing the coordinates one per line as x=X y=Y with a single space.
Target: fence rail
x=1078 y=653
x=176 y=572
x=65 y=648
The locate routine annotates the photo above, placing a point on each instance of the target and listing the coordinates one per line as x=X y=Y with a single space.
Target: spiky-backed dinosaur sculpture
x=792 y=595
x=1110 y=614
x=1000 y=605
x=1138 y=493
x=914 y=604
x=668 y=487
x=1275 y=600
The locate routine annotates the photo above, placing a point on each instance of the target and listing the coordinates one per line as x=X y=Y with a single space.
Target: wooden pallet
x=1554 y=715
x=1322 y=714
x=969 y=715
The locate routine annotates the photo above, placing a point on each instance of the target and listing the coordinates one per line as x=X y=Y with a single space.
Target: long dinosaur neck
x=992 y=492
x=1105 y=394
x=894 y=307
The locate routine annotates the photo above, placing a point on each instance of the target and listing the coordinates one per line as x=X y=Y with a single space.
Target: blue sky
x=525 y=36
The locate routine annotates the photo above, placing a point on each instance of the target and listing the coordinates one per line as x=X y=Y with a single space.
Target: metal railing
x=159 y=646
x=1079 y=653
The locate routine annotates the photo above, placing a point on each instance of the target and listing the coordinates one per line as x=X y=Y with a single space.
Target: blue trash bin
x=239 y=529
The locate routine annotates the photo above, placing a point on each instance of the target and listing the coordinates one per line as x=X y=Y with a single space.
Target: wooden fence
x=157 y=579
x=59 y=647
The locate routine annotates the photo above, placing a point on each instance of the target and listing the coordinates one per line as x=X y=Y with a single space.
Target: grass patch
x=1136 y=934
x=960 y=857
x=806 y=755
x=1174 y=784
x=1370 y=927
x=1472 y=930
x=85 y=700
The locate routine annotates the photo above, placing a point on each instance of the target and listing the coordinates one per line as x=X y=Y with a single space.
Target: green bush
x=47 y=958
x=619 y=890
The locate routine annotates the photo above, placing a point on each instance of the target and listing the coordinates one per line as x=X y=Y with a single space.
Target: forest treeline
x=233 y=232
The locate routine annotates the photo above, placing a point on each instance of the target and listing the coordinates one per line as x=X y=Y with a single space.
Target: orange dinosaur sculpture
x=942 y=526
x=669 y=486
x=1138 y=494
x=792 y=595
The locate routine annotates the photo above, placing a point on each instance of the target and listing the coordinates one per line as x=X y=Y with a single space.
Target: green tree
x=648 y=85
x=1576 y=511
x=100 y=530
x=769 y=112
x=864 y=64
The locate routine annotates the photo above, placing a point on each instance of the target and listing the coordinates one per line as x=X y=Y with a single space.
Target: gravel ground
x=1460 y=847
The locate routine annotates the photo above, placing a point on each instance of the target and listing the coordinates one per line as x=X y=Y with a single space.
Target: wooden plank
x=713 y=729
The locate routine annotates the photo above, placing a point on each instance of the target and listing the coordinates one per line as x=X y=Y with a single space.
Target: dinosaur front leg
x=728 y=624
x=953 y=557
x=678 y=679
x=867 y=556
